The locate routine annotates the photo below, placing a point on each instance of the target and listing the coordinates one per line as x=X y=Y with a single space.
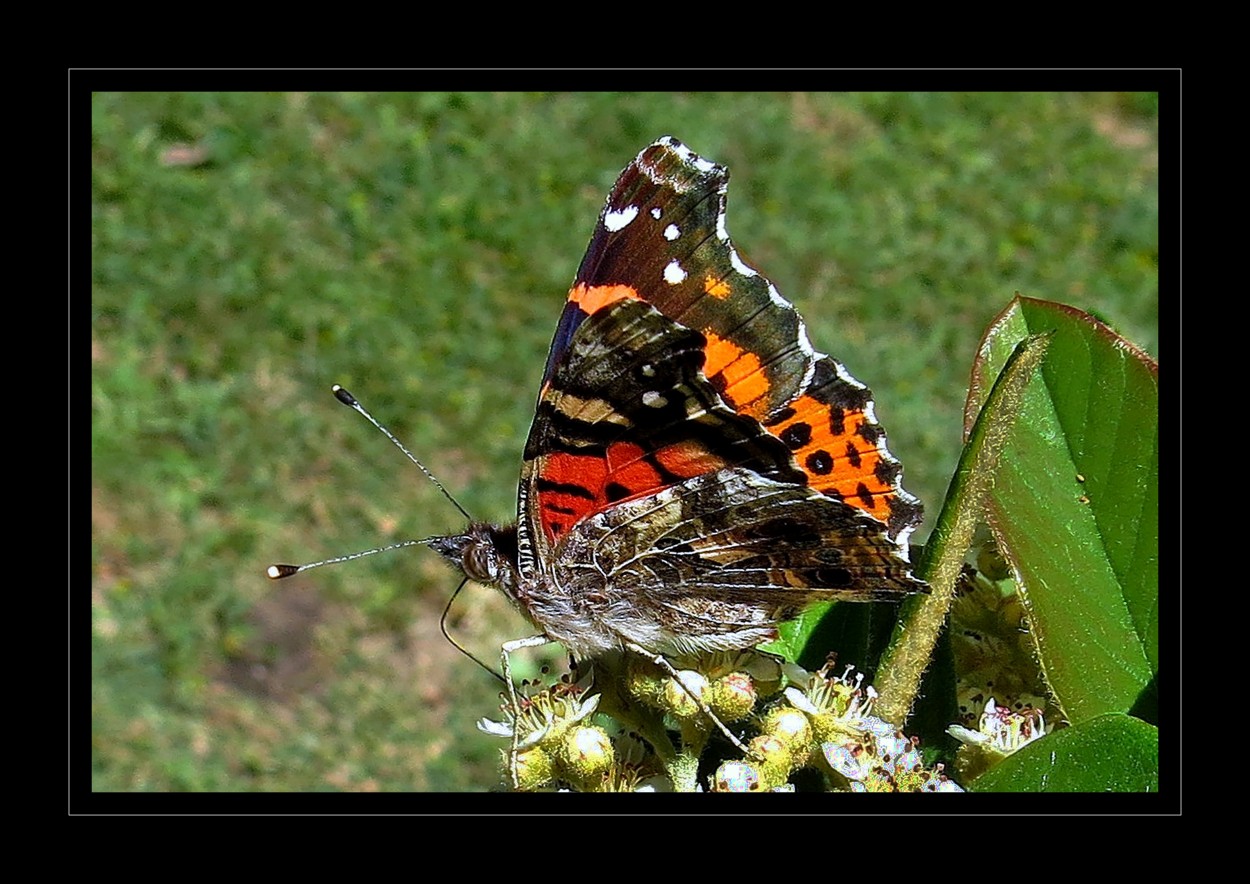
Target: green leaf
x=795 y=635
x=1110 y=753
x=857 y=633
x=1075 y=504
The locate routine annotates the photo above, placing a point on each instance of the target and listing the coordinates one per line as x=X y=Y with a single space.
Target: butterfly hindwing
x=722 y=558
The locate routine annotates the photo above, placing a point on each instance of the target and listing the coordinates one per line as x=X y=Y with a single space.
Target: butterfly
x=696 y=472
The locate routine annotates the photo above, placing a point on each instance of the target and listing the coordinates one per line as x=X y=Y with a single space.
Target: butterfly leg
x=534 y=641
x=658 y=660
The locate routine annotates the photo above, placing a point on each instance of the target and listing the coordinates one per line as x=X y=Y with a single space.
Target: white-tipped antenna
x=349 y=400
x=277 y=572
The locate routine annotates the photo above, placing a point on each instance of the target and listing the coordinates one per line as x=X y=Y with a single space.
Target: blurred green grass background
x=250 y=250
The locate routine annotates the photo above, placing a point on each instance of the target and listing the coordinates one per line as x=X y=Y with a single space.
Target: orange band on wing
x=742 y=381
x=594 y=298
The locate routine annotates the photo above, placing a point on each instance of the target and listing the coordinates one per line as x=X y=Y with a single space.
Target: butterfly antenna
x=277 y=572
x=442 y=624
x=349 y=400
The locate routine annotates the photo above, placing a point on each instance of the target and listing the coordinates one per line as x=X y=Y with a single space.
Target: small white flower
x=799 y=701
x=1001 y=729
x=971 y=737
x=541 y=714
x=870 y=724
x=494 y=728
x=854 y=764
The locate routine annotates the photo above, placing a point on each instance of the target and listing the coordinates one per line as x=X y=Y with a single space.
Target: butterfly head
x=485 y=553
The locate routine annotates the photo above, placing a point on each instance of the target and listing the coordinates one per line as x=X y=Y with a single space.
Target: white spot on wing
x=673 y=273
x=653 y=399
x=671 y=232
x=690 y=156
x=656 y=213
x=616 y=219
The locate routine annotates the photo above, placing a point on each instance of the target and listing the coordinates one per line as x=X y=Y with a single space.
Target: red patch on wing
x=689 y=459
x=572 y=487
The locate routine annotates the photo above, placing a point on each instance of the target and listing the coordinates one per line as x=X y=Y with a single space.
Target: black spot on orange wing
x=819 y=462
x=842 y=450
x=852 y=455
x=614 y=491
x=796 y=435
x=837 y=422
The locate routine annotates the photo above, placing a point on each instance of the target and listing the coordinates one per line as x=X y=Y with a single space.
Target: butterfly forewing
x=661 y=238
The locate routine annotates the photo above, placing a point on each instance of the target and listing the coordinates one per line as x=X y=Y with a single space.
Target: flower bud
x=773 y=759
x=792 y=728
x=676 y=698
x=534 y=768
x=586 y=755
x=731 y=697
x=644 y=681
x=736 y=776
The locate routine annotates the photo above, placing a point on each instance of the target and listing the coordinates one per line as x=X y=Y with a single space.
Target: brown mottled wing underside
x=716 y=562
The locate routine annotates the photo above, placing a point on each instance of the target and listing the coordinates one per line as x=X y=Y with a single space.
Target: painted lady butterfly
x=696 y=472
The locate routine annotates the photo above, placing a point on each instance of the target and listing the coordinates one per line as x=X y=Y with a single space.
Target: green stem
x=922 y=617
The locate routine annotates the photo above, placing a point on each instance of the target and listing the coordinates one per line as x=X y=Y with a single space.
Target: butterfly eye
x=481 y=564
